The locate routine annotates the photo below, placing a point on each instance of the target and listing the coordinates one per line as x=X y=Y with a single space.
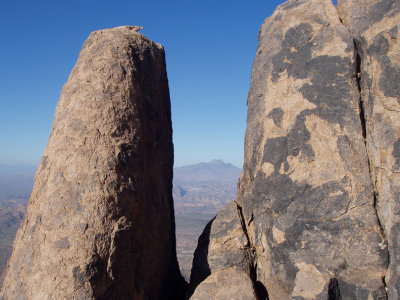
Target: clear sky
x=210 y=46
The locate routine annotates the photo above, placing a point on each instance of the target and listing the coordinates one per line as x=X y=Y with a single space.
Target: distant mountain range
x=16 y=182
x=204 y=173
x=204 y=187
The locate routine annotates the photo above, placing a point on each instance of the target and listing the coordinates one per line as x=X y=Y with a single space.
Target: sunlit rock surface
x=100 y=221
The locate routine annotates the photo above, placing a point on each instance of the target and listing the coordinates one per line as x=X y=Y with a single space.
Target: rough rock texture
x=100 y=221
x=222 y=244
x=230 y=283
x=306 y=190
x=227 y=241
x=318 y=197
x=375 y=27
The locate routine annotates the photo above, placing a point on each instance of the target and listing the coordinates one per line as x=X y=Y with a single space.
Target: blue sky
x=210 y=47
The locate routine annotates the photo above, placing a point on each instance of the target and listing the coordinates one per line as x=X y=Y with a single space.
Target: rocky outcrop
x=100 y=221
x=306 y=192
x=319 y=191
x=374 y=26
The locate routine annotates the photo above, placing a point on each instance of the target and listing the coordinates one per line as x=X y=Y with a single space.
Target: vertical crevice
x=334 y=290
x=361 y=106
x=357 y=77
x=250 y=253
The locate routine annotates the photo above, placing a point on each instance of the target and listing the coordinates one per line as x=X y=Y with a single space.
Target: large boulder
x=230 y=283
x=306 y=191
x=222 y=245
x=100 y=221
x=375 y=27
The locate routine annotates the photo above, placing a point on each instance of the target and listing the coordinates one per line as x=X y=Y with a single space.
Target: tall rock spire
x=100 y=221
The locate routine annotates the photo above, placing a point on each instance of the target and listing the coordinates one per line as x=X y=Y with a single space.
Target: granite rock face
x=318 y=193
x=100 y=221
x=306 y=190
x=374 y=26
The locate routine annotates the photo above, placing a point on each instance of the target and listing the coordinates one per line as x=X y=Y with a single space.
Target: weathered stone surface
x=306 y=191
x=375 y=28
x=100 y=221
x=361 y=16
x=228 y=242
x=222 y=244
x=225 y=284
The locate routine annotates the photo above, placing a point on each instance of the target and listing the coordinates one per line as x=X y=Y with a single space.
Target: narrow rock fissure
x=358 y=77
x=334 y=290
x=243 y=223
x=259 y=289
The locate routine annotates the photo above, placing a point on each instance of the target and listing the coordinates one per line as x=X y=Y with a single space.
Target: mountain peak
x=214 y=171
x=218 y=162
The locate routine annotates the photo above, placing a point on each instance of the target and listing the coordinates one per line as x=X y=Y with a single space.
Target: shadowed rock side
x=375 y=27
x=100 y=221
x=306 y=192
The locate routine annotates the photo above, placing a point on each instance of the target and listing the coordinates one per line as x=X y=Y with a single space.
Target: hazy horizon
x=175 y=166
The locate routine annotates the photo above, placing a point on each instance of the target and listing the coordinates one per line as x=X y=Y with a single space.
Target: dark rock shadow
x=334 y=290
x=200 y=267
x=260 y=291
